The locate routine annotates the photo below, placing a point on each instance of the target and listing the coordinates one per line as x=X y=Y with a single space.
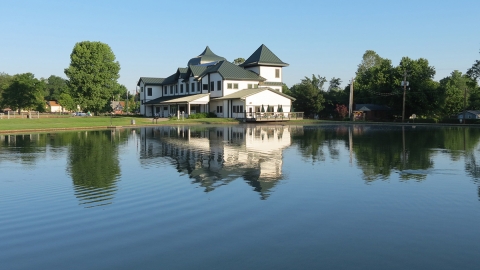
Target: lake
x=242 y=197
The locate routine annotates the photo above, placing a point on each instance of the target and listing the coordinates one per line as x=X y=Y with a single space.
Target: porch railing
x=273 y=116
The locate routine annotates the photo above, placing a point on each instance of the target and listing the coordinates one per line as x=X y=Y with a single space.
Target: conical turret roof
x=263 y=56
x=207 y=56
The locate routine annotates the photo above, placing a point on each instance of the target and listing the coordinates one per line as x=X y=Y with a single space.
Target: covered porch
x=177 y=105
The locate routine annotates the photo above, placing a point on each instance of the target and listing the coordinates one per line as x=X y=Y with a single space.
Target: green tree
x=239 y=61
x=309 y=95
x=5 y=81
x=453 y=89
x=67 y=102
x=422 y=97
x=286 y=90
x=92 y=75
x=474 y=71
x=370 y=59
x=25 y=93
x=55 y=86
x=334 y=84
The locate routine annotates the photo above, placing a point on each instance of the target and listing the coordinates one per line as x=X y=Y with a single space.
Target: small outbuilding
x=371 y=112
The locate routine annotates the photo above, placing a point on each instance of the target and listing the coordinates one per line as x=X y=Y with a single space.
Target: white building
x=210 y=83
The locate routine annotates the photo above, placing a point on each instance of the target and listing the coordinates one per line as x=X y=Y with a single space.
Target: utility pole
x=350 y=103
x=404 y=91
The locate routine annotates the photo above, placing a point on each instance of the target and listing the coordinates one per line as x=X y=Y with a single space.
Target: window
x=212 y=86
x=277 y=73
x=181 y=88
x=250 y=86
x=186 y=87
x=149 y=91
x=229 y=86
x=235 y=86
x=237 y=109
x=219 y=85
x=176 y=89
x=165 y=90
x=193 y=87
x=205 y=86
x=141 y=89
x=219 y=109
x=171 y=89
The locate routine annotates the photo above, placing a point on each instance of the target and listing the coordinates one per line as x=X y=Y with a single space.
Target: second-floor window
x=212 y=86
x=219 y=85
x=149 y=91
x=235 y=86
x=229 y=86
x=193 y=87
x=277 y=73
x=165 y=90
x=181 y=88
x=205 y=86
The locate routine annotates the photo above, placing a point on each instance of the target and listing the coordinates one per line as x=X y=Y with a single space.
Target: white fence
x=14 y=114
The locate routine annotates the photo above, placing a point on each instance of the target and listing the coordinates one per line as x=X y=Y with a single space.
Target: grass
x=69 y=122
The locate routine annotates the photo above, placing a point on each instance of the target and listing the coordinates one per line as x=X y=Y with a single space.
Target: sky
x=154 y=38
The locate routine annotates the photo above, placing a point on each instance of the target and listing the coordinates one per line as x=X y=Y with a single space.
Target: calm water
x=242 y=197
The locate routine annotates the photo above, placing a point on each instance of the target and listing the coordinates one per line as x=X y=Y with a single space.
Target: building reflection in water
x=216 y=156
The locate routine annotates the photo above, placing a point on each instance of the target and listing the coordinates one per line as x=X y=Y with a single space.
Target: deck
x=272 y=116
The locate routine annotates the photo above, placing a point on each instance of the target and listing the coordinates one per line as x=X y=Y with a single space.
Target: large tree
x=309 y=95
x=422 y=97
x=55 y=87
x=474 y=71
x=453 y=89
x=5 y=81
x=370 y=59
x=25 y=92
x=92 y=75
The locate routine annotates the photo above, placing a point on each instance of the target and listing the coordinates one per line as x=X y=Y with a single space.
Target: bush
x=202 y=115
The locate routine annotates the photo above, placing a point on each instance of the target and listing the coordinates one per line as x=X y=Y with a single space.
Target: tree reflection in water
x=94 y=167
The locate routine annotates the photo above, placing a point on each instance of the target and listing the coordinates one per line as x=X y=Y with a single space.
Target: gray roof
x=207 y=56
x=271 y=83
x=263 y=56
x=476 y=112
x=176 y=99
x=150 y=81
x=242 y=94
x=230 y=71
x=371 y=107
x=170 y=79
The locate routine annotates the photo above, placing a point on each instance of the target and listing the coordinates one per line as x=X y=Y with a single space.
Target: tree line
x=378 y=81
x=91 y=84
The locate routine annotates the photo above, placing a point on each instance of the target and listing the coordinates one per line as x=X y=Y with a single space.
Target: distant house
x=54 y=107
x=371 y=112
x=117 y=106
x=470 y=114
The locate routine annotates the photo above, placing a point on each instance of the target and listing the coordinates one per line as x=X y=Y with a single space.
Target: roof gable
x=263 y=56
x=242 y=94
x=230 y=71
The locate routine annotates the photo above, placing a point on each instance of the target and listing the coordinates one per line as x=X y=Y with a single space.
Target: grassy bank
x=23 y=124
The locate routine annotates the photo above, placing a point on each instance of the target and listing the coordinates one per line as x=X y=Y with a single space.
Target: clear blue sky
x=154 y=38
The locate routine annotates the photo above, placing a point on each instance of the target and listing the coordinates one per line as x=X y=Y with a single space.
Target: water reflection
x=215 y=156
x=94 y=166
